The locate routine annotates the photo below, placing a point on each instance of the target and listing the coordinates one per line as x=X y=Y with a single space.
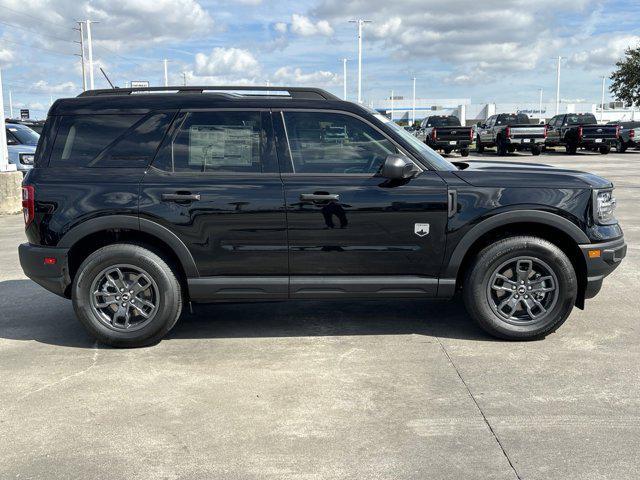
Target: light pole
x=90 y=47
x=81 y=42
x=540 y=104
x=360 y=22
x=184 y=78
x=10 y=104
x=392 y=105
x=166 y=73
x=344 y=78
x=602 y=101
x=413 y=109
x=4 y=153
x=558 y=86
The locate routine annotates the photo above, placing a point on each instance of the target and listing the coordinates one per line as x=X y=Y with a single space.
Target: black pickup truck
x=627 y=135
x=509 y=132
x=444 y=132
x=581 y=130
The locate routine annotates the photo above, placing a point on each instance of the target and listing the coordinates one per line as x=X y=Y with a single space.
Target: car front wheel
x=520 y=288
x=126 y=296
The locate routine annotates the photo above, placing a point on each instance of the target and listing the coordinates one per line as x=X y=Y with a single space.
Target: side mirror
x=397 y=167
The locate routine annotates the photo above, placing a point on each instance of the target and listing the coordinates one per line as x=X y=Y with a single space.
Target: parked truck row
x=510 y=132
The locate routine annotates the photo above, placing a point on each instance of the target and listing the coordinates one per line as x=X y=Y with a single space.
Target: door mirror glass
x=397 y=167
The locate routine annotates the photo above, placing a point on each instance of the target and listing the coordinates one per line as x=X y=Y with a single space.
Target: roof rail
x=302 y=93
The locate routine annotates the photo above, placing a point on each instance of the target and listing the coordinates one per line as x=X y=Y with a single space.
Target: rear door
x=351 y=232
x=215 y=184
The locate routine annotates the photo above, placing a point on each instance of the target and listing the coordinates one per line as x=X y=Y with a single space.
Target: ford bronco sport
x=141 y=200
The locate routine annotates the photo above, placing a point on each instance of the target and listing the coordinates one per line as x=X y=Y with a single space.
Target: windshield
x=430 y=156
x=25 y=135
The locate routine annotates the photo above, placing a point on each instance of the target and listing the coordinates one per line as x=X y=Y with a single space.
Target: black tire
x=477 y=289
x=621 y=147
x=604 y=149
x=479 y=146
x=167 y=300
x=572 y=148
x=536 y=150
x=512 y=148
x=464 y=152
x=447 y=150
x=501 y=148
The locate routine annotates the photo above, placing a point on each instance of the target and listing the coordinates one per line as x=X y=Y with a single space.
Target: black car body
x=267 y=197
x=626 y=135
x=581 y=130
x=508 y=132
x=444 y=132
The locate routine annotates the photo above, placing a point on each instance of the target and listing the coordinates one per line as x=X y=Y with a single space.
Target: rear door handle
x=180 y=197
x=319 y=197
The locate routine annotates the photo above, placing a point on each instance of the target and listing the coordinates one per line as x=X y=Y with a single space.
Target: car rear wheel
x=535 y=150
x=604 y=149
x=572 y=148
x=520 y=288
x=621 y=147
x=464 y=152
x=126 y=296
x=446 y=150
x=501 y=148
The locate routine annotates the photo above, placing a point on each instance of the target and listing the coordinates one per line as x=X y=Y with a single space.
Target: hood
x=21 y=149
x=520 y=174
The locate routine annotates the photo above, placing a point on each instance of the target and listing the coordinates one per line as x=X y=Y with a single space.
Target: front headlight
x=27 y=158
x=604 y=206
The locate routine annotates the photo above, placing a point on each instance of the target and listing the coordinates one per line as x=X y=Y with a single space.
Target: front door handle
x=180 y=197
x=319 y=197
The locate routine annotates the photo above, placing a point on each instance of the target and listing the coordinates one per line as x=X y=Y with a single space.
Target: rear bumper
x=602 y=264
x=525 y=143
x=440 y=144
x=591 y=142
x=53 y=277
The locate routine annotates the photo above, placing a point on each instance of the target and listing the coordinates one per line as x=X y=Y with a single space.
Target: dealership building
x=400 y=109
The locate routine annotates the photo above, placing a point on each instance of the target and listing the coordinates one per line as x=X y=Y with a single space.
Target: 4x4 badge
x=421 y=229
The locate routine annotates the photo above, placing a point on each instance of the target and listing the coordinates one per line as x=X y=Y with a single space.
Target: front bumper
x=54 y=277
x=601 y=259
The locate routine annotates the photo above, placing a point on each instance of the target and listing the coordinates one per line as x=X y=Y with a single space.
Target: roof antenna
x=105 y=76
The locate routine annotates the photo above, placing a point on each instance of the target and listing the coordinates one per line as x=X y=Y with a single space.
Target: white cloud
x=603 y=50
x=303 y=26
x=227 y=62
x=6 y=56
x=280 y=27
x=295 y=76
x=42 y=86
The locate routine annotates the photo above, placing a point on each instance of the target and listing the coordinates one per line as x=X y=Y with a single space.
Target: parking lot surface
x=327 y=390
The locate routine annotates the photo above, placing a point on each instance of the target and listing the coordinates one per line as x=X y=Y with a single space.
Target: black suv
x=142 y=200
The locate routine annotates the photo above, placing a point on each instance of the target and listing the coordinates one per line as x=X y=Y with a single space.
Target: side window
x=81 y=138
x=490 y=121
x=334 y=143
x=223 y=142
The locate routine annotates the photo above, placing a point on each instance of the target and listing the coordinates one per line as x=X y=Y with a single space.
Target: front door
x=215 y=184
x=350 y=231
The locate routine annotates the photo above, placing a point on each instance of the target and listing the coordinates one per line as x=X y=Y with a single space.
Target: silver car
x=21 y=143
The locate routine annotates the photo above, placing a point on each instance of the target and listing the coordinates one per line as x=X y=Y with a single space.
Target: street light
x=344 y=78
x=602 y=101
x=413 y=114
x=360 y=22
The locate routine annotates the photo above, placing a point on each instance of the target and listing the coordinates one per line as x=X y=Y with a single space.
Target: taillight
x=545 y=131
x=579 y=133
x=632 y=133
x=507 y=132
x=471 y=134
x=434 y=135
x=28 y=204
x=617 y=131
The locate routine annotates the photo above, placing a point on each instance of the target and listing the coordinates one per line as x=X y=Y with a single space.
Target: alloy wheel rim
x=523 y=290
x=124 y=297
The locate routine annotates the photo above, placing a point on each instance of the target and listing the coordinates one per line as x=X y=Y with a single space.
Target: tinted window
x=24 y=135
x=334 y=143
x=138 y=145
x=586 y=119
x=81 y=138
x=442 y=122
x=512 y=119
x=221 y=142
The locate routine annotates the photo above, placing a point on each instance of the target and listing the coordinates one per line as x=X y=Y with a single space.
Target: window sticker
x=214 y=145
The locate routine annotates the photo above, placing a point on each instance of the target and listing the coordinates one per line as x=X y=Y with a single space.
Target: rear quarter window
x=108 y=140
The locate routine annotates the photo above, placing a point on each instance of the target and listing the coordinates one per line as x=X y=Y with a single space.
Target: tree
x=626 y=78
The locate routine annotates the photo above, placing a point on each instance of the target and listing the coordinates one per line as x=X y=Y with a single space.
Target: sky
x=488 y=51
